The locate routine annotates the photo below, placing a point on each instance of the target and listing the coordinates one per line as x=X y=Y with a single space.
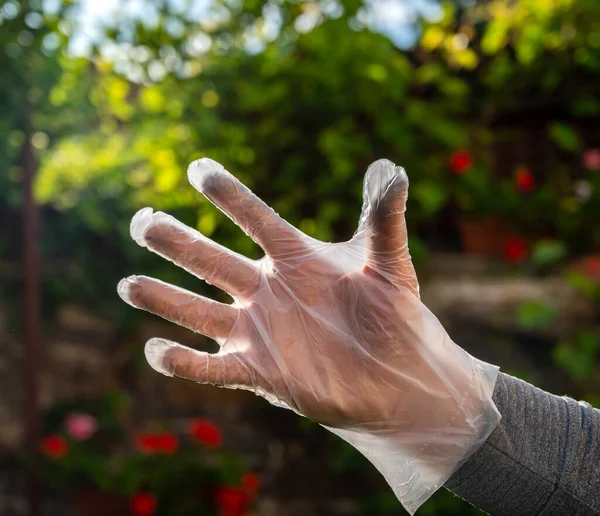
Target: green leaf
x=534 y=314
x=431 y=195
x=207 y=222
x=418 y=250
x=548 y=252
x=576 y=364
x=495 y=36
x=589 y=342
x=564 y=136
x=581 y=283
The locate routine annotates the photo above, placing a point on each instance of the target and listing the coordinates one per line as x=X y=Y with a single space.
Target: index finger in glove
x=276 y=236
x=189 y=249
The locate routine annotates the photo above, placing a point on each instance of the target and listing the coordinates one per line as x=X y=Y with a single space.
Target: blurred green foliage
x=533 y=314
x=298 y=121
x=578 y=357
x=298 y=115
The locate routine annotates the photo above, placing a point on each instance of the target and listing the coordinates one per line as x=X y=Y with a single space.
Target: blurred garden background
x=493 y=108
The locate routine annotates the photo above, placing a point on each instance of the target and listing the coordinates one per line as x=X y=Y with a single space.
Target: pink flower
x=591 y=159
x=81 y=426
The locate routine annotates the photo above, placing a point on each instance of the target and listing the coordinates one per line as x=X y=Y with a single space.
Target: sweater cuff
x=542 y=458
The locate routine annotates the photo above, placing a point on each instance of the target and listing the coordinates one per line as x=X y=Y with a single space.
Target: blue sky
x=395 y=18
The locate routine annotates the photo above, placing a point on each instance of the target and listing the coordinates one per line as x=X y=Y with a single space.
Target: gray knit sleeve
x=542 y=459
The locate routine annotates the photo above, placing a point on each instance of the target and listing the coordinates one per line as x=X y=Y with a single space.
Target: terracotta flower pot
x=91 y=502
x=486 y=236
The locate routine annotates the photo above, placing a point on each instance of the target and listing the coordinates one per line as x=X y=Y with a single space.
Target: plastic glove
x=335 y=332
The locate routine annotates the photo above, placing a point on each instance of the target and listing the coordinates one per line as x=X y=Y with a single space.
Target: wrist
x=418 y=456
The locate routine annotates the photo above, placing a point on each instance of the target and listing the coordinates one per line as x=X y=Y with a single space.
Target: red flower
x=157 y=442
x=143 y=504
x=460 y=161
x=231 y=498
x=515 y=249
x=251 y=483
x=591 y=266
x=524 y=179
x=54 y=446
x=206 y=432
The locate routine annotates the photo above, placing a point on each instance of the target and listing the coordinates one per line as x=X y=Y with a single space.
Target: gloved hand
x=335 y=332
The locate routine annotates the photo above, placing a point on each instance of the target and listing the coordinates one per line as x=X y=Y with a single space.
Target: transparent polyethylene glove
x=335 y=332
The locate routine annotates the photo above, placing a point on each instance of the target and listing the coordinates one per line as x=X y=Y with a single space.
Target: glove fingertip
x=124 y=289
x=157 y=355
x=384 y=181
x=200 y=170
x=139 y=225
x=401 y=178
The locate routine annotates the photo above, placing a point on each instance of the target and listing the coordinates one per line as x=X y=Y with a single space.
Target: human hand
x=335 y=332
